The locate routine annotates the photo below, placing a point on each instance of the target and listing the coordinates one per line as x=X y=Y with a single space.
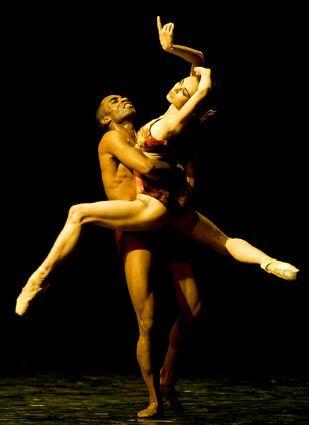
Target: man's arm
x=115 y=144
x=166 y=35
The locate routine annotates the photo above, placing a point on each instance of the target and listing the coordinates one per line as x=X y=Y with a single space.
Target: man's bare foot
x=170 y=396
x=151 y=411
x=279 y=268
x=34 y=286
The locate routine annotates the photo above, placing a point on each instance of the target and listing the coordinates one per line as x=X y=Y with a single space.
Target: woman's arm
x=172 y=124
x=166 y=35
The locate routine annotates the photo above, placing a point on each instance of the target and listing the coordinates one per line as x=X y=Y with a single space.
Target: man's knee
x=145 y=326
x=196 y=310
x=191 y=313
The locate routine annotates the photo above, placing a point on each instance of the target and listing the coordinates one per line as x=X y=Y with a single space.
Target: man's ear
x=106 y=120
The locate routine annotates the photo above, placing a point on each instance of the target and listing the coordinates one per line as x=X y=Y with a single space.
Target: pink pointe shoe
x=26 y=296
x=279 y=268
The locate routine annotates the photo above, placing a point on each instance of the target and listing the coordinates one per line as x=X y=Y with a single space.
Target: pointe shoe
x=26 y=296
x=279 y=268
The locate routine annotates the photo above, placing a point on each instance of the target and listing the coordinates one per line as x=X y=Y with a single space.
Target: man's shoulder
x=110 y=137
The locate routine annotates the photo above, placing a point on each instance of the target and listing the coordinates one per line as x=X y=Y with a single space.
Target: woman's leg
x=198 y=227
x=144 y=213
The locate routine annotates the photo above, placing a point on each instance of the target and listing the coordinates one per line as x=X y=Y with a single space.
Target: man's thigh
x=180 y=251
x=135 y=250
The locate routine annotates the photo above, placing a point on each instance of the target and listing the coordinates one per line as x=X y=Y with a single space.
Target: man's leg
x=137 y=265
x=189 y=303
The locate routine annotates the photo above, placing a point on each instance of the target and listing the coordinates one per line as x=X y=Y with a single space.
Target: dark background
x=57 y=67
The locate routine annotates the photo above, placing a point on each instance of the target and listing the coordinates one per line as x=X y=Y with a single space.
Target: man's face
x=118 y=108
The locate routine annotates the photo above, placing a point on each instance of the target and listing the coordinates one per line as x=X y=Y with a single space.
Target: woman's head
x=182 y=91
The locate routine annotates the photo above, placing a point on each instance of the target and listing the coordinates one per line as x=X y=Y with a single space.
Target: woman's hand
x=166 y=34
x=205 y=74
x=201 y=71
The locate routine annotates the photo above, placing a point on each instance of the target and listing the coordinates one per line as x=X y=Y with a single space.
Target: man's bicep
x=131 y=157
x=116 y=145
x=128 y=155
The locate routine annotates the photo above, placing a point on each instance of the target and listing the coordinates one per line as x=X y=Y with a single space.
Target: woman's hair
x=209 y=107
x=207 y=115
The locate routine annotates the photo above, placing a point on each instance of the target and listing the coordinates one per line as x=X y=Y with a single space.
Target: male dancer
x=117 y=159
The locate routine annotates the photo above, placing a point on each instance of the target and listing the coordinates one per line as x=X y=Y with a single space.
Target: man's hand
x=166 y=34
x=160 y=170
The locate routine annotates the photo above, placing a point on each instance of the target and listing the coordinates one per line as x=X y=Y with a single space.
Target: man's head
x=115 y=109
x=182 y=91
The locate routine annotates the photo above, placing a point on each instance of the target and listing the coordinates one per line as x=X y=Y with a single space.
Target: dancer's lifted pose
x=156 y=203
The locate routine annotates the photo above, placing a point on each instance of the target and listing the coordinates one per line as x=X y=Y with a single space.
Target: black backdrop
x=57 y=67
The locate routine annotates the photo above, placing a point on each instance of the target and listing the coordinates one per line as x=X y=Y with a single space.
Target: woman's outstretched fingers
x=170 y=27
x=159 y=25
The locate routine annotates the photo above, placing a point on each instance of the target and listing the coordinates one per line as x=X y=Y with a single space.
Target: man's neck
x=130 y=129
x=125 y=126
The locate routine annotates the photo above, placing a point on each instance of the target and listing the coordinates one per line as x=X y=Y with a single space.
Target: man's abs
x=118 y=182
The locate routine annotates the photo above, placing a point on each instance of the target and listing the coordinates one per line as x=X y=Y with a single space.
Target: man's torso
x=118 y=180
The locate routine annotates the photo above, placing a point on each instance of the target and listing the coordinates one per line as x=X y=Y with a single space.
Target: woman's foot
x=34 y=286
x=170 y=396
x=279 y=268
x=153 y=410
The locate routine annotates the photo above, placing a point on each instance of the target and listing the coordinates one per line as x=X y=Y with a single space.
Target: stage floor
x=97 y=400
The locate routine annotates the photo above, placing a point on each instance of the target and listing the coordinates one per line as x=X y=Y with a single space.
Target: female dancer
x=154 y=206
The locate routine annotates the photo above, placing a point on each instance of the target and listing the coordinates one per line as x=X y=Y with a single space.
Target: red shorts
x=165 y=242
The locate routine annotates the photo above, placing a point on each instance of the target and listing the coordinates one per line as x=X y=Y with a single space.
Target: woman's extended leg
x=145 y=213
x=198 y=227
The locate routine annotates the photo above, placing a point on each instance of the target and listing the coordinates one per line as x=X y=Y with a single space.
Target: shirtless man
x=118 y=157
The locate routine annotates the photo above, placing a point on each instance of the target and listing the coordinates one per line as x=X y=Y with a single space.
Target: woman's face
x=182 y=91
